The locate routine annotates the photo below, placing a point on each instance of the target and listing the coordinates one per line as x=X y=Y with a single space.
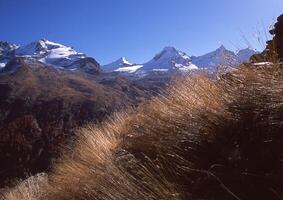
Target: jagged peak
x=170 y=51
x=43 y=39
x=124 y=60
x=8 y=45
x=5 y=43
x=120 y=62
x=169 y=48
x=221 y=48
x=44 y=43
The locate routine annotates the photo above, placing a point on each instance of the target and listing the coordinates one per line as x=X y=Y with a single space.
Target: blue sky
x=138 y=29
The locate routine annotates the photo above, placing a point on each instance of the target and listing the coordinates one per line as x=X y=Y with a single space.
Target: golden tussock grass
x=204 y=139
x=29 y=189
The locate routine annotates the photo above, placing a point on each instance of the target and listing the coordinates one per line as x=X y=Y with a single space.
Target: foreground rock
x=274 y=48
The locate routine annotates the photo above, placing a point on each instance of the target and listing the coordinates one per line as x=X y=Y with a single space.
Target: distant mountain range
x=169 y=59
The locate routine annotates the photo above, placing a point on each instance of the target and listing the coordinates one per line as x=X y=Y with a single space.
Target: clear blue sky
x=137 y=29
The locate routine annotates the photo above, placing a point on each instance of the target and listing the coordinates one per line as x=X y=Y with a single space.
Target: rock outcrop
x=278 y=37
x=274 y=48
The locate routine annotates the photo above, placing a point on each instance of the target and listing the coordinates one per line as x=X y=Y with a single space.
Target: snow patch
x=130 y=69
x=160 y=70
x=2 y=65
x=262 y=63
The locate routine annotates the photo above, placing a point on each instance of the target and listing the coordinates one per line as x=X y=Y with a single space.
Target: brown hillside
x=40 y=107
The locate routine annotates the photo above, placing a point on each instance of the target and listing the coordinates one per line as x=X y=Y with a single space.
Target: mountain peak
x=48 y=52
x=47 y=44
x=223 y=57
x=169 y=59
x=221 y=48
x=169 y=48
x=120 y=63
x=4 y=43
x=124 y=61
x=43 y=39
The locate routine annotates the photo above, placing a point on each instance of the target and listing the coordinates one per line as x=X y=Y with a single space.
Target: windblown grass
x=205 y=139
x=30 y=189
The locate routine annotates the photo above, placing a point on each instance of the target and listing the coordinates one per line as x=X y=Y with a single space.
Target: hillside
x=40 y=107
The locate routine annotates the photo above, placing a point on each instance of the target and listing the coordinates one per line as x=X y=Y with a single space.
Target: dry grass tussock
x=29 y=189
x=205 y=139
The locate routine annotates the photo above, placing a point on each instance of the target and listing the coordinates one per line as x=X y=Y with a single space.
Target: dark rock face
x=278 y=38
x=40 y=108
x=88 y=65
x=274 y=47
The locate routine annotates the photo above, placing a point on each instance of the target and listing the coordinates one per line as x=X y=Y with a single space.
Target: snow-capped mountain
x=121 y=65
x=169 y=59
x=222 y=58
x=50 y=53
x=121 y=62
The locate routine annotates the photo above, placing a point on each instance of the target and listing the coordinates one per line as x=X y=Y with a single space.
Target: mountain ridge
x=179 y=60
x=167 y=60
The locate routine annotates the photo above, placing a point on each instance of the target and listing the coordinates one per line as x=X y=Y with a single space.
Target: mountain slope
x=6 y=50
x=244 y=55
x=41 y=106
